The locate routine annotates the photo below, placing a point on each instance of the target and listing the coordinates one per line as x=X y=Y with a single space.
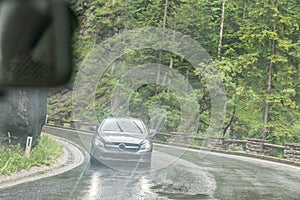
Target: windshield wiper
x=141 y=131
x=119 y=126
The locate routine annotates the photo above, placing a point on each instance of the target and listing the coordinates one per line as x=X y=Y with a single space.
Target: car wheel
x=146 y=166
x=94 y=161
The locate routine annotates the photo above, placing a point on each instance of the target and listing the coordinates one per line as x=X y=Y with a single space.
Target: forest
x=254 y=45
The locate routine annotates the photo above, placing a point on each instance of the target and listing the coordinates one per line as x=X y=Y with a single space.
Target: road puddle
x=183 y=182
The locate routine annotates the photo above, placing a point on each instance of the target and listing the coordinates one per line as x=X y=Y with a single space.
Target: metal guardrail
x=250 y=146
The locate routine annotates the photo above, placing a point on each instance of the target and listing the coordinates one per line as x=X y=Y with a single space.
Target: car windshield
x=122 y=125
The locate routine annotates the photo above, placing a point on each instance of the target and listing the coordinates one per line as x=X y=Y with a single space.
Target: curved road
x=193 y=176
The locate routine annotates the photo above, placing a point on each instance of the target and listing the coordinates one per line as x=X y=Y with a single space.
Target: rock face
x=60 y=104
x=22 y=114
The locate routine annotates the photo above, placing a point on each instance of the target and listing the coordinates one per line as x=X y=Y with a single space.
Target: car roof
x=122 y=118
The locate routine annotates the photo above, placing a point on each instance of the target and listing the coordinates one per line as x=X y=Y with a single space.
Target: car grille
x=120 y=146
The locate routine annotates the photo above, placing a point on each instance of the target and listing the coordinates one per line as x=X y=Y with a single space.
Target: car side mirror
x=93 y=128
x=35 y=42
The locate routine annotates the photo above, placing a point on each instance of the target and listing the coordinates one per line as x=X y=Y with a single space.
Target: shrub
x=45 y=153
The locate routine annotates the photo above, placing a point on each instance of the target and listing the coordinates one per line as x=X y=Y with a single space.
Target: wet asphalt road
x=194 y=176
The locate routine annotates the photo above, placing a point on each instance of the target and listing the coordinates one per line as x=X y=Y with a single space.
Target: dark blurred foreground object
x=35 y=47
x=35 y=50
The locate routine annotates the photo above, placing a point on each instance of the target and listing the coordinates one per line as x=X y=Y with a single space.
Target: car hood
x=124 y=137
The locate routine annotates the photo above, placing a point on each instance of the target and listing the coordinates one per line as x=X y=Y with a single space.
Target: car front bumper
x=104 y=156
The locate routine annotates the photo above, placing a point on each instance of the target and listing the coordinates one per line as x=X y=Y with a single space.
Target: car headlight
x=98 y=142
x=145 y=146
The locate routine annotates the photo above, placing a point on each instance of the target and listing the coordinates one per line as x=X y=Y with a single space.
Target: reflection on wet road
x=110 y=184
x=173 y=175
x=181 y=180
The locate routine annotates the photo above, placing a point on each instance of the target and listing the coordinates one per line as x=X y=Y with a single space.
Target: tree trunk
x=221 y=30
x=269 y=84
x=165 y=14
x=174 y=35
x=160 y=51
x=244 y=10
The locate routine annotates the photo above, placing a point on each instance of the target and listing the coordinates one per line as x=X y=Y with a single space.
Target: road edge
x=236 y=153
x=72 y=157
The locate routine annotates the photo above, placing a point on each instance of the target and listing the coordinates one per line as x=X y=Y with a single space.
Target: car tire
x=94 y=161
x=146 y=166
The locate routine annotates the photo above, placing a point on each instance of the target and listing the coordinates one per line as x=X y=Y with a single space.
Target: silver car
x=122 y=140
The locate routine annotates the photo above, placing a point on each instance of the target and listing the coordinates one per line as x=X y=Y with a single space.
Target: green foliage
x=197 y=143
x=277 y=153
x=250 y=30
x=45 y=153
x=144 y=103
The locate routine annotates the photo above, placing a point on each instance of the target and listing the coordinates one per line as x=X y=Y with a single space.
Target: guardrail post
x=9 y=138
x=254 y=146
x=292 y=151
x=28 y=146
x=75 y=124
x=46 y=119
x=58 y=123
x=214 y=142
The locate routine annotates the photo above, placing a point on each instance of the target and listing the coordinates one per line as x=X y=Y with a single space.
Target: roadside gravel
x=72 y=157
